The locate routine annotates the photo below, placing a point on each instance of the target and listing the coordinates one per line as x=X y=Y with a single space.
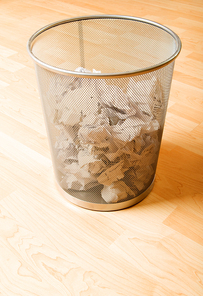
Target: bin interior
x=109 y=45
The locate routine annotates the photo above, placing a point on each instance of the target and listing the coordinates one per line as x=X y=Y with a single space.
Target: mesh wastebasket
x=104 y=82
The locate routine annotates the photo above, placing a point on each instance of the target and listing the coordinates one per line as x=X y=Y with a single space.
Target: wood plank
x=183 y=167
x=25 y=135
x=186 y=112
x=166 y=259
x=182 y=221
x=51 y=247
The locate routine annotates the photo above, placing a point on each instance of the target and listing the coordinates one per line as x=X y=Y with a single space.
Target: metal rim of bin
x=105 y=207
x=104 y=75
x=137 y=199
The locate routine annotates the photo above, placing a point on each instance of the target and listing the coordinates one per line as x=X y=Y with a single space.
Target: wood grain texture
x=49 y=247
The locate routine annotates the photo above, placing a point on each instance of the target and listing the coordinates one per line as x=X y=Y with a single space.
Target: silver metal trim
x=104 y=75
x=105 y=207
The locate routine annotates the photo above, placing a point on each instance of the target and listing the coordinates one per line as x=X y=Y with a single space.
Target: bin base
x=105 y=206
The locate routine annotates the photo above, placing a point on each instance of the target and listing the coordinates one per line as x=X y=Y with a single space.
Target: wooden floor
x=49 y=247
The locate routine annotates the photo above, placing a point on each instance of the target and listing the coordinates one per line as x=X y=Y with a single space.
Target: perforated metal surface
x=104 y=128
x=112 y=44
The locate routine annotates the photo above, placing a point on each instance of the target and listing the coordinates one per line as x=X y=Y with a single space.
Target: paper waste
x=107 y=135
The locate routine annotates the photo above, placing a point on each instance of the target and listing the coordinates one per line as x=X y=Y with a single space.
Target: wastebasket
x=104 y=83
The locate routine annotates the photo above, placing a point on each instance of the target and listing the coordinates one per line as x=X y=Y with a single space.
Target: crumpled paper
x=116 y=191
x=106 y=135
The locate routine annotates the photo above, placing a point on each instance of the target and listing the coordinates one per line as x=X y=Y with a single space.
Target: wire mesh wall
x=104 y=84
